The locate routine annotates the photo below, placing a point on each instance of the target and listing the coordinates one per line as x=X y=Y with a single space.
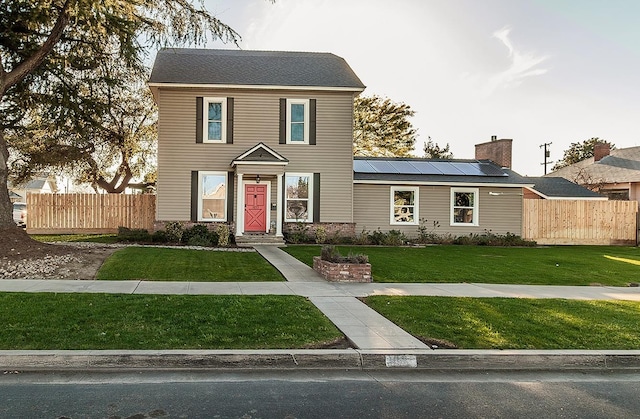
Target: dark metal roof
x=253 y=68
x=433 y=171
x=558 y=187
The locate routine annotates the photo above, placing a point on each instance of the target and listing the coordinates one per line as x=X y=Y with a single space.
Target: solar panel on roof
x=425 y=168
x=383 y=166
x=406 y=167
x=468 y=168
x=428 y=167
x=362 y=166
x=489 y=169
x=447 y=168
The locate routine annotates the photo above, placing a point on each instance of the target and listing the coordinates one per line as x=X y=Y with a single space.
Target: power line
x=547 y=153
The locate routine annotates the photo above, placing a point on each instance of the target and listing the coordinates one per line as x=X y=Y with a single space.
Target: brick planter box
x=343 y=272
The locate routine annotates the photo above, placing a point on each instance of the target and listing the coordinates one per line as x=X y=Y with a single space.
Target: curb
x=351 y=359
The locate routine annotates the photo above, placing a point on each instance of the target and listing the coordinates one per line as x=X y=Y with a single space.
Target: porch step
x=253 y=239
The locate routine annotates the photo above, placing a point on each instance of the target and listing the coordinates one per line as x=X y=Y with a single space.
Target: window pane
x=403 y=214
x=297 y=113
x=297 y=132
x=403 y=197
x=297 y=209
x=463 y=215
x=215 y=131
x=297 y=187
x=215 y=111
x=464 y=199
x=214 y=193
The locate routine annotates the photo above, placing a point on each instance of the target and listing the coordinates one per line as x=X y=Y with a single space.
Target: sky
x=535 y=71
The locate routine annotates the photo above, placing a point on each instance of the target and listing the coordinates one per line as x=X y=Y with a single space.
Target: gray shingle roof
x=435 y=171
x=253 y=68
x=558 y=187
x=622 y=165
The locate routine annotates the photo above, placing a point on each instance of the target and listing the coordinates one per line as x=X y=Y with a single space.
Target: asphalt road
x=318 y=394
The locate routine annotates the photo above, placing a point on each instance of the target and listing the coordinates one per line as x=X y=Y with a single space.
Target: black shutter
x=312 y=122
x=283 y=121
x=229 y=120
x=316 y=197
x=230 y=196
x=194 y=196
x=199 y=123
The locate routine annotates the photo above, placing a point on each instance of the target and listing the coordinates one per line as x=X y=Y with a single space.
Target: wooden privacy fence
x=88 y=213
x=580 y=222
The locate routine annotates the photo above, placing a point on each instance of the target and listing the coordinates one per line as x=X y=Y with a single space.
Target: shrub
x=321 y=235
x=224 y=235
x=159 y=236
x=331 y=254
x=174 y=231
x=299 y=234
x=136 y=235
x=394 y=238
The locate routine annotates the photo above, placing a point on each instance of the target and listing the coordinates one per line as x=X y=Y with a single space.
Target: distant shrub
x=159 y=236
x=136 y=235
x=331 y=254
x=174 y=231
x=224 y=235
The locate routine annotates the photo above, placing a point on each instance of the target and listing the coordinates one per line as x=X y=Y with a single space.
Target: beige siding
x=256 y=119
x=498 y=213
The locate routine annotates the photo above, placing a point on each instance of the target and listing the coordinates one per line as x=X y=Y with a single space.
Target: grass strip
x=514 y=323
x=555 y=265
x=159 y=264
x=105 y=321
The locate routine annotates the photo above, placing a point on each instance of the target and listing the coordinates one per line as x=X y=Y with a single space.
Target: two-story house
x=254 y=139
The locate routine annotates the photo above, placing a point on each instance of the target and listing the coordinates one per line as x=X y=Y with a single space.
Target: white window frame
x=205 y=119
x=416 y=204
x=309 y=199
x=304 y=102
x=476 y=200
x=201 y=175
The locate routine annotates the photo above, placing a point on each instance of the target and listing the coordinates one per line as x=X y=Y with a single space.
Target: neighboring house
x=613 y=173
x=263 y=142
x=46 y=184
x=254 y=139
x=558 y=188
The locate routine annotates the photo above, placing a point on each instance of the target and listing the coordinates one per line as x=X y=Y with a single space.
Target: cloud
x=523 y=65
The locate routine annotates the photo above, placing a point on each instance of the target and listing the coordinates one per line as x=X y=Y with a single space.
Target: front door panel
x=255 y=208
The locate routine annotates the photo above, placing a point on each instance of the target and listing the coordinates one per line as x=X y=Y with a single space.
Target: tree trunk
x=6 y=207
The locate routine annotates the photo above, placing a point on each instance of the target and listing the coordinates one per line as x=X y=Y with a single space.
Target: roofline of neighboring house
x=256 y=87
x=573 y=198
x=463 y=184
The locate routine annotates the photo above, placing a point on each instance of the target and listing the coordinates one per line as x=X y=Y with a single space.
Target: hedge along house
x=257 y=140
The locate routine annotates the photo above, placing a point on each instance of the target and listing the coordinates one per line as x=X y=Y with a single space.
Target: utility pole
x=547 y=153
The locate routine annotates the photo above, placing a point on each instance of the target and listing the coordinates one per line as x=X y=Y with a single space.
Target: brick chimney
x=498 y=151
x=600 y=151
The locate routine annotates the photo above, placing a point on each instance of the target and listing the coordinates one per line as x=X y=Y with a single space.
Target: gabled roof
x=434 y=171
x=233 y=68
x=260 y=154
x=561 y=188
x=622 y=165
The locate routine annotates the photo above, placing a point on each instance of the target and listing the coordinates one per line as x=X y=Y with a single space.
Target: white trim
x=205 y=119
x=263 y=163
x=304 y=102
x=240 y=207
x=416 y=204
x=279 y=189
x=267 y=202
x=453 y=185
x=475 y=222
x=256 y=86
x=256 y=147
x=309 y=199
x=200 y=192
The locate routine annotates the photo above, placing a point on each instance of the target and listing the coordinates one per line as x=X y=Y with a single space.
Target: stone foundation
x=212 y=226
x=343 y=272
x=328 y=229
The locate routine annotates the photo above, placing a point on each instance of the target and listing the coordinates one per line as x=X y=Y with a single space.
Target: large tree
x=433 y=151
x=382 y=128
x=42 y=40
x=108 y=138
x=579 y=151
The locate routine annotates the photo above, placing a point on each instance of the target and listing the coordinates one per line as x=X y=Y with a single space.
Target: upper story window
x=404 y=205
x=214 y=119
x=464 y=206
x=297 y=121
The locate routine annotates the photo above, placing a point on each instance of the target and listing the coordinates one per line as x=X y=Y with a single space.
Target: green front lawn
x=561 y=265
x=159 y=264
x=101 y=321
x=91 y=238
x=513 y=323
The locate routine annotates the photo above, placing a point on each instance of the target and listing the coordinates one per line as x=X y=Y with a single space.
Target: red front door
x=255 y=208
